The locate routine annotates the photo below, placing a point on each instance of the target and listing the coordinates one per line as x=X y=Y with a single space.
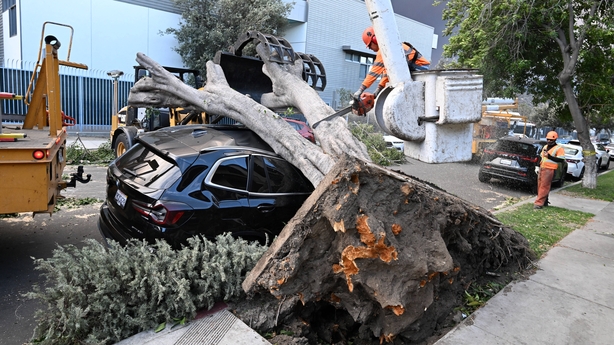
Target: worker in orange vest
x=415 y=62
x=551 y=156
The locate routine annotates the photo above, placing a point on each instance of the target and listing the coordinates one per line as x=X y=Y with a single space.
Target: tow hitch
x=78 y=176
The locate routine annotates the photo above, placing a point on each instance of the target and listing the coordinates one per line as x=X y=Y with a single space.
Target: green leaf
x=160 y=327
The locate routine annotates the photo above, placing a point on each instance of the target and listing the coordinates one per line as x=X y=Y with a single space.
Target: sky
x=423 y=11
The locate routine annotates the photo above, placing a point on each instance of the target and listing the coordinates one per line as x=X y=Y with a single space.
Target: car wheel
x=581 y=174
x=121 y=145
x=483 y=177
x=599 y=164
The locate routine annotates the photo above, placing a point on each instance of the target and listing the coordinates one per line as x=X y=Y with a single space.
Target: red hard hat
x=552 y=135
x=368 y=36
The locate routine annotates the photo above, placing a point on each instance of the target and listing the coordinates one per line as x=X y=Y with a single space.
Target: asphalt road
x=24 y=237
x=461 y=179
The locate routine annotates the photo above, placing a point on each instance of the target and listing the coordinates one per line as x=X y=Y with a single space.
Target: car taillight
x=574 y=161
x=529 y=159
x=162 y=213
x=488 y=151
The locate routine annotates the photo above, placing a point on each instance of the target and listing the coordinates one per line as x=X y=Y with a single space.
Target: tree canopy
x=559 y=51
x=211 y=25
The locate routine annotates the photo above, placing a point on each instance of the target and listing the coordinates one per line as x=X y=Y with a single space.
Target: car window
x=285 y=177
x=259 y=182
x=516 y=147
x=231 y=173
x=571 y=151
x=600 y=147
x=146 y=168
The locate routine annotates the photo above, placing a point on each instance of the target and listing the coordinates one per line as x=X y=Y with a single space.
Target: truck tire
x=121 y=144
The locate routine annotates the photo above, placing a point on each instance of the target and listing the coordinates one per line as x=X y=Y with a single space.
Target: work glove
x=377 y=91
x=357 y=94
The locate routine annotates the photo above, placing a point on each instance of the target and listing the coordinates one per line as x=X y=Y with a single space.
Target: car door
x=277 y=190
x=227 y=183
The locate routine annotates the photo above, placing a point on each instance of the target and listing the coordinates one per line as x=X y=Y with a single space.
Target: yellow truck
x=128 y=122
x=500 y=118
x=33 y=156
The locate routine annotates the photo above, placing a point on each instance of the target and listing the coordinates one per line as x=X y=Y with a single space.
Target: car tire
x=599 y=164
x=483 y=177
x=121 y=144
x=581 y=175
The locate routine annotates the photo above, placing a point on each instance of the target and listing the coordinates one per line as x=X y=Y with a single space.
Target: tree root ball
x=393 y=252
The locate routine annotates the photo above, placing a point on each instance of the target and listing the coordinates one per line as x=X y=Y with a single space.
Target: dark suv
x=205 y=180
x=514 y=159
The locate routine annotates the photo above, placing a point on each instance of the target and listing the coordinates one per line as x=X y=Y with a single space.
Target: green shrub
x=76 y=153
x=376 y=146
x=99 y=295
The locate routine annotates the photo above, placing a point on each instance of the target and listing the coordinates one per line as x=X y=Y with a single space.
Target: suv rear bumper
x=110 y=228
x=510 y=175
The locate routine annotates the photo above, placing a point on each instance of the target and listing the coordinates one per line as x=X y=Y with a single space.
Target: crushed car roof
x=191 y=139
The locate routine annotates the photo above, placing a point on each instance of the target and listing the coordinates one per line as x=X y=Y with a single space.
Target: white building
x=109 y=33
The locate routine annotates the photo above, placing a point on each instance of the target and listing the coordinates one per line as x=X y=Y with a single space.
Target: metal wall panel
x=162 y=5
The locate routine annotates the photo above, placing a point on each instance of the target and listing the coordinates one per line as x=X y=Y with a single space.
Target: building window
x=364 y=61
x=12 y=8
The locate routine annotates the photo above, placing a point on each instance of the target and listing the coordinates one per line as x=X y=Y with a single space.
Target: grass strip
x=604 y=190
x=543 y=228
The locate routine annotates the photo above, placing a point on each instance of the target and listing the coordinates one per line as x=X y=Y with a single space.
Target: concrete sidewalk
x=569 y=300
x=89 y=142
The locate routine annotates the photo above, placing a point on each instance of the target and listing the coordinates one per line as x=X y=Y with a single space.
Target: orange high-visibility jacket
x=555 y=151
x=378 y=69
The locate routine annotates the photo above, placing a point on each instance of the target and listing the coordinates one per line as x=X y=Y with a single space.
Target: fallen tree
x=393 y=252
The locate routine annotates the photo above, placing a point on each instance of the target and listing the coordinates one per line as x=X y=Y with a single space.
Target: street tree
x=211 y=25
x=558 y=51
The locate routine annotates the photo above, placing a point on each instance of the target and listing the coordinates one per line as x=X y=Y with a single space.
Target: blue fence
x=87 y=95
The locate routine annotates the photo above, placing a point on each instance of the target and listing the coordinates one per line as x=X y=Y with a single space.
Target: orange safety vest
x=379 y=70
x=555 y=151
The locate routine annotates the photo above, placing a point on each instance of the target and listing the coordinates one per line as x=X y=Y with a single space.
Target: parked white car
x=394 y=142
x=610 y=149
x=603 y=158
x=575 y=159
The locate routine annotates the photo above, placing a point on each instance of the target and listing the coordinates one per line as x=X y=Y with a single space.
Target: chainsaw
x=359 y=107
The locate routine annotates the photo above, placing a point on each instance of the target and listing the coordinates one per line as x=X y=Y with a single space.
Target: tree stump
x=392 y=251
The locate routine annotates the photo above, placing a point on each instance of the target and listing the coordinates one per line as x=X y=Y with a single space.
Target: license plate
x=120 y=198
x=506 y=162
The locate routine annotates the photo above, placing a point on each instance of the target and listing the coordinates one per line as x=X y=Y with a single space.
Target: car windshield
x=145 y=168
x=515 y=147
